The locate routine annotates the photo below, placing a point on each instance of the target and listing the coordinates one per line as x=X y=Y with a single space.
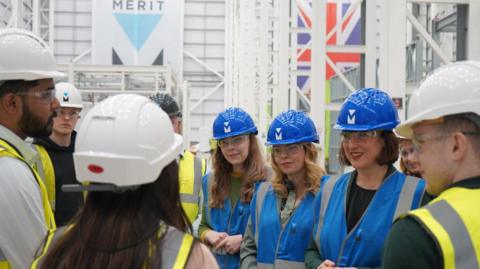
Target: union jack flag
x=349 y=34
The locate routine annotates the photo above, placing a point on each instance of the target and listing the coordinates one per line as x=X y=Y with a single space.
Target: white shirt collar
x=25 y=149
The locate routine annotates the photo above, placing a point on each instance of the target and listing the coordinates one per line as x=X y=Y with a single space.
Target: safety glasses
x=48 y=95
x=232 y=141
x=346 y=135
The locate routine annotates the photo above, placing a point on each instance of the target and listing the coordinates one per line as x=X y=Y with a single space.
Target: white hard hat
x=125 y=140
x=68 y=95
x=24 y=56
x=451 y=89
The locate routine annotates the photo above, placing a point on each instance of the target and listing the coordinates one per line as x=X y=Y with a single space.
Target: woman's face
x=235 y=149
x=289 y=158
x=409 y=157
x=362 y=148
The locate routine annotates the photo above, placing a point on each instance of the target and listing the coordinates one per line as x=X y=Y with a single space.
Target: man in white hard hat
x=55 y=164
x=27 y=105
x=445 y=129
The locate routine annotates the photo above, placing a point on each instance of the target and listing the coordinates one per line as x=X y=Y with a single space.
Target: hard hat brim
x=405 y=129
x=30 y=75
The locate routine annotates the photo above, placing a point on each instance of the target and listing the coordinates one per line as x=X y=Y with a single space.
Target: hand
x=326 y=264
x=214 y=238
x=231 y=244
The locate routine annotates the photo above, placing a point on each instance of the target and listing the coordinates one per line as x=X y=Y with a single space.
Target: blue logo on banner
x=137 y=27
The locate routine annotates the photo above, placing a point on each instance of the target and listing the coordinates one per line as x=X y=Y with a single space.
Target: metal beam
x=428 y=38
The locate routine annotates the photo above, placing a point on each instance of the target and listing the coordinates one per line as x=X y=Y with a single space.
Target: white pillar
x=473 y=45
x=318 y=70
x=281 y=92
x=392 y=50
x=370 y=43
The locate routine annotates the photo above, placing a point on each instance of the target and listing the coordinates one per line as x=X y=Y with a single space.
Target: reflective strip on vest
x=208 y=212
x=450 y=231
x=175 y=251
x=191 y=171
x=261 y=193
x=282 y=264
x=326 y=194
x=46 y=171
x=197 y=183
x=176 y=255
x=53 y=236
x=405 y=199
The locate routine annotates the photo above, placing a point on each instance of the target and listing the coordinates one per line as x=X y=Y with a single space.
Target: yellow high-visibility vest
x=8 y=151
x=453 y=220
x=191 y=171
x=47 y=173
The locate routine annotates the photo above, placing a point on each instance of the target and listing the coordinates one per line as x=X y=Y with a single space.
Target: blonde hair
x=313 y=173
x=255 y=170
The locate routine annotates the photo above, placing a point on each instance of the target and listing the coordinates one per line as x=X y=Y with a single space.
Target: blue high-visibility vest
x=363 y=245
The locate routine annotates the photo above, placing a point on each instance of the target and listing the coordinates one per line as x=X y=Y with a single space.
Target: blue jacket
x=225 y=220
x=363 y=245
x=285 y=246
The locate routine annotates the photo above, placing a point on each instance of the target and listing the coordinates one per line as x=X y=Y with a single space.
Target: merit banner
x=138 y=32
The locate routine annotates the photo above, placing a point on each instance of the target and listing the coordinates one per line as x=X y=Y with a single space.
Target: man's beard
x=32 y=126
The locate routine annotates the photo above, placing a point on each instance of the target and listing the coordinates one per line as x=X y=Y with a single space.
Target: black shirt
x=66 y=203
x=359 y=199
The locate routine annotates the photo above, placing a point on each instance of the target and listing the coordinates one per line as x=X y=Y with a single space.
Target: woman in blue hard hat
x=354 y=211
x=237 y=164
x=281 y=216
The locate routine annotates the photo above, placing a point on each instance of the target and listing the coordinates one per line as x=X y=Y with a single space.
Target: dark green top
x=410 y=246
x=312 y=255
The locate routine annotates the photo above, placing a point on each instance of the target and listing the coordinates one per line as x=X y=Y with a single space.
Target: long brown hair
x=313 y=173
x=222 y=171
x=118 y=230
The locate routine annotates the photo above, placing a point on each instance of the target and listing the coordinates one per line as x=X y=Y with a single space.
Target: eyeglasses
x=359 y=135
x=288 y=150
x=419 y=139
x=48 y=95
x=70 y=113
x=232 y=141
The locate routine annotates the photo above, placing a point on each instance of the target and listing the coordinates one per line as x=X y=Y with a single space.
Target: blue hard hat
x=367 y=109
x=291 y=127
x=233 y=121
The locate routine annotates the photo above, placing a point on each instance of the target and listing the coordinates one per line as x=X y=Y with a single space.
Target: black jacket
x=66 y=203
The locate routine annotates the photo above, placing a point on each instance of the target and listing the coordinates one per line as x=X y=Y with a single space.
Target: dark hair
x=167 y=103
x=388 y=155
x=117 y=230
x=14 y=86
x=222 y=170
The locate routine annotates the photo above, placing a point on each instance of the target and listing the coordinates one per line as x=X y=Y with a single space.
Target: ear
x=11 y=103
x=460 y=146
